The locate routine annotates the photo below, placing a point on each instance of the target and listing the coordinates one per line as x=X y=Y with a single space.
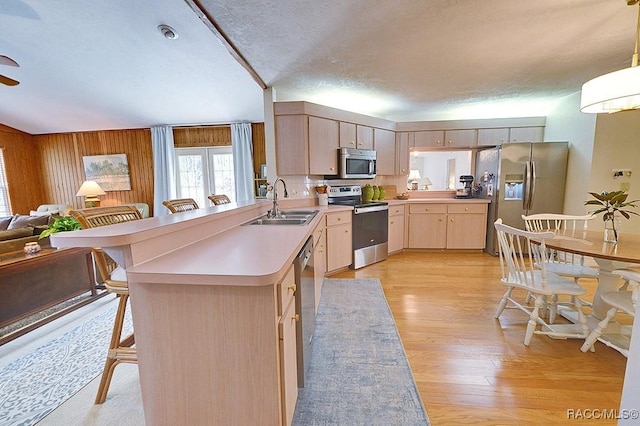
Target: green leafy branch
x=611 y=203
x=63 y=223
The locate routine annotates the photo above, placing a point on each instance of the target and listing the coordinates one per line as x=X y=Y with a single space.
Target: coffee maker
x=467 y=187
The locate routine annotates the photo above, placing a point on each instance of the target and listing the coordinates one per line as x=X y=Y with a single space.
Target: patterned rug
x=36 y=384
x=358 y=373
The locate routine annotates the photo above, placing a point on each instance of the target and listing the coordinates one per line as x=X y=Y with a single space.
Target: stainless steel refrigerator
x=521 y=179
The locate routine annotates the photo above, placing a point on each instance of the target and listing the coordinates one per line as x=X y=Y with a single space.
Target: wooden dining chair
x=180 y=205
x=219 y=199
x=522 y=269
x=115 y=281
x=620 y=301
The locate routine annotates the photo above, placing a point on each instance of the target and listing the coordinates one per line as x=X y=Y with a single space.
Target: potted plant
x=613 y=205
x=62 y=223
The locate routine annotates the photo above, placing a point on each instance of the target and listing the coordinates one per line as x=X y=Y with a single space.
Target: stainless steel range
x=370 y=224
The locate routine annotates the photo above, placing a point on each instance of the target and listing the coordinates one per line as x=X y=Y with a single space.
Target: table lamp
x=427 y=182
x=414 y=175
x=90 y=189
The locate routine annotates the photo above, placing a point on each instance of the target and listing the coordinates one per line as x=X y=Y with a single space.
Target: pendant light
x=618 y=90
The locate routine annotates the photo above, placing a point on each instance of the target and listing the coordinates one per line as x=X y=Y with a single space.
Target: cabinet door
x=323 y=146
x=288 y=363
x=460 y=138
x=339 y=248
x=385 y=146
x=319 y=261
x=427 y=226
x=466 y=231
x=429 y=139
x=364 y=137
x=493 y=136
x=292 y=155
x=526 y=134
x=402 y=153
x=396 y=233
x=347 y=135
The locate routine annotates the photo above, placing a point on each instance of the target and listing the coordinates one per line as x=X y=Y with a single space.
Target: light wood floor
x=473 y=369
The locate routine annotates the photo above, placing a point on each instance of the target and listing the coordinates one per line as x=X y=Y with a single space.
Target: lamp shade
x=613 y=92
x=427 y=181
x=90 y=188
x=414 y=174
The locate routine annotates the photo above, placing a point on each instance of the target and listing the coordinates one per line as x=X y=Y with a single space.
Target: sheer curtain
x=164 y=180
x=241 y=144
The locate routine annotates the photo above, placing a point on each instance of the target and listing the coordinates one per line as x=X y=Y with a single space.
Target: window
x=5 y=205
x=205 y=171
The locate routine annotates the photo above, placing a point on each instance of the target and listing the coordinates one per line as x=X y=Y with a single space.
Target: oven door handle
x=361 y=210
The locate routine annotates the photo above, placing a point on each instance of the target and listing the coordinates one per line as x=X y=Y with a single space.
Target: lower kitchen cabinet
x=288 y=346
x=428 y=226
x=339 y=244
x=466 y=226
x=396 y=228
x=447 y=226
x=319 y=259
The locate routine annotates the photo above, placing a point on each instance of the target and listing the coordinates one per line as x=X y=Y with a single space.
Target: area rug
x=34 y=385
x=358 y=373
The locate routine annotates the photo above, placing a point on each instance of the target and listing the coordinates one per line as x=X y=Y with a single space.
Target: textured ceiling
x=101 y=65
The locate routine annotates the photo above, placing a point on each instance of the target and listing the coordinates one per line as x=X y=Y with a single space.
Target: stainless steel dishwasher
x=305 y=307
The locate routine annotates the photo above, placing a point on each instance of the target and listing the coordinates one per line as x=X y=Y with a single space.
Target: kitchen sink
x=290 y=217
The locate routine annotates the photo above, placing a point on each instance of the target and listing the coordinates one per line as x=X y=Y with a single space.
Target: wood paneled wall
x=24 y=174
x=48 y=169
x=61 y=155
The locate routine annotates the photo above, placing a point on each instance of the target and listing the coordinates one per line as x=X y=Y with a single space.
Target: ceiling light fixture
x=168 y=32
x=618 y=90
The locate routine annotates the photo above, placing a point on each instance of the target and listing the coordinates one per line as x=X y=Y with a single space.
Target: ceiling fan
x=5 y=60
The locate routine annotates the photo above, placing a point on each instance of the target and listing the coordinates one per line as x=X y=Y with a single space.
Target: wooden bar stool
x=219 y=199
x=115 y=281
x=180 y=205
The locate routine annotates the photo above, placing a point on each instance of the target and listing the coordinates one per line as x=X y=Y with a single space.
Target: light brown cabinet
x=292 y=144
x=288 y=349
x=396 y=228
x=403 y=142
x=488 y=137
x=445 y=138
x=319 y=258
x=339 y=244
x=384 y=142
x=355 y=136
x=526 y=134
x=323 y=146
x=452 y=226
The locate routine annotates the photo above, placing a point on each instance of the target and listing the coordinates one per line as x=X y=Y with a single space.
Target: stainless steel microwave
x=356 y=163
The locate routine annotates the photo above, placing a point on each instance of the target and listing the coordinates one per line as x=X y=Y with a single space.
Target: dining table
x=609 y=257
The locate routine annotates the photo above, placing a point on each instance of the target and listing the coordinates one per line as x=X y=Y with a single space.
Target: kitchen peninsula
x=212 y=301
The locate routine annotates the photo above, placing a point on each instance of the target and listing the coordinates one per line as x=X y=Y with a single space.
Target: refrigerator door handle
x=527 y=183
x=532 y=185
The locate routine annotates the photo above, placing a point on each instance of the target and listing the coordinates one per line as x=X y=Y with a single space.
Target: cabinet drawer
x=467 y=208
x=396 y=210
x=427 y=208
x=338 y=218
x=286 y=290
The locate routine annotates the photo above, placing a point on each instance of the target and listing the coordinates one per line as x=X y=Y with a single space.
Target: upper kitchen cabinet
x=355 y=136
x=526 y=134
x=292 y=144
x=429 y=139
x=324 y=137
x=403 y=141
x=445 y=138
x=488 y=137
x=384 y=142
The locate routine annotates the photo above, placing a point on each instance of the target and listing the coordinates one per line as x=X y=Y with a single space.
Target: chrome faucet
x=275 y=211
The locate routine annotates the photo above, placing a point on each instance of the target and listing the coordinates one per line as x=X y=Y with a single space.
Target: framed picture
x=111 y=172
